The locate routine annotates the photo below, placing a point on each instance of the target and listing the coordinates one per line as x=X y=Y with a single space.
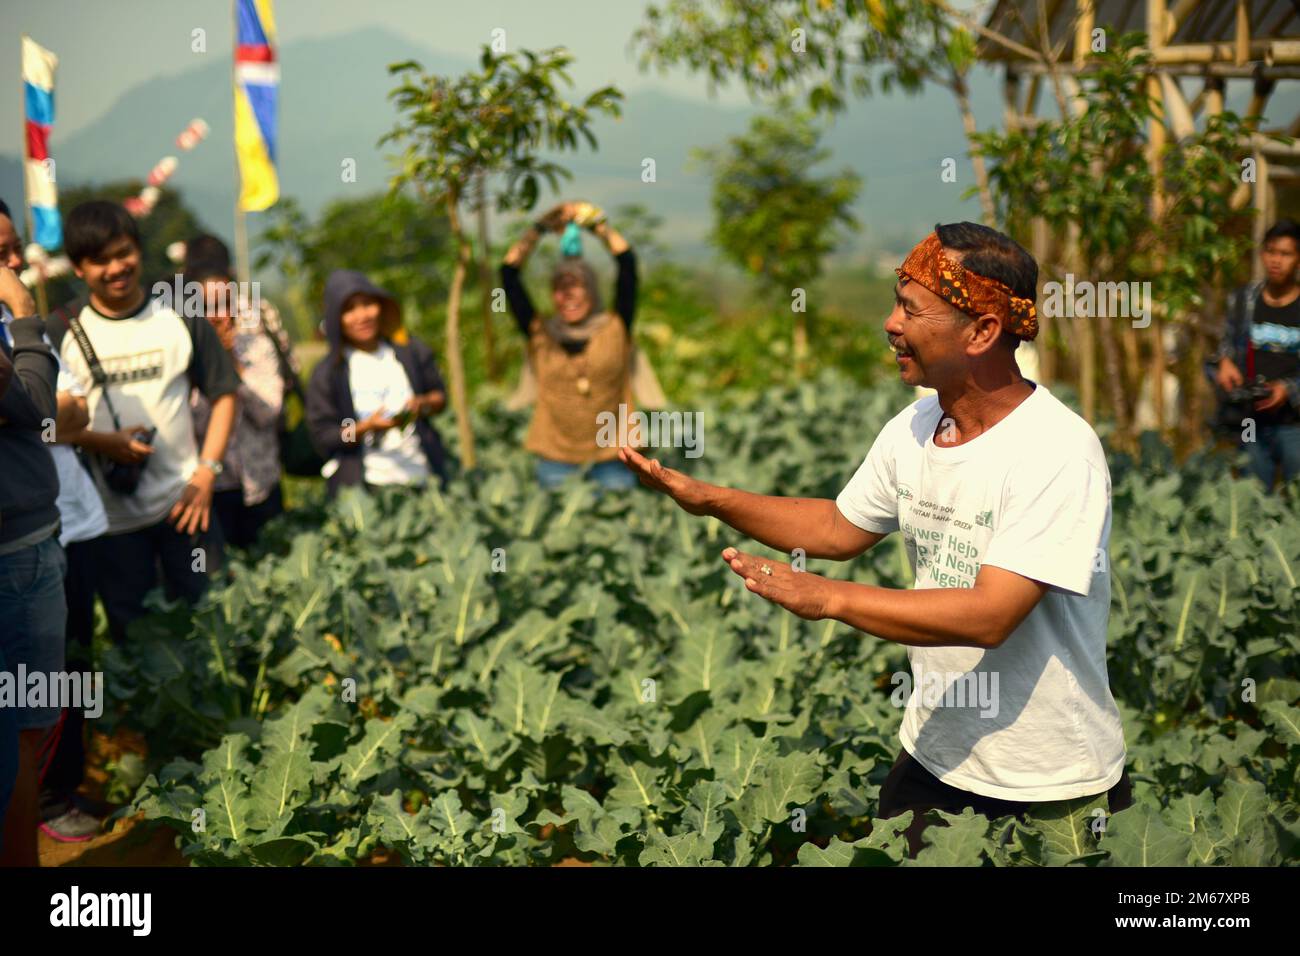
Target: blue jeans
x=1274 y=445
x=33 y=619
x=607 y=474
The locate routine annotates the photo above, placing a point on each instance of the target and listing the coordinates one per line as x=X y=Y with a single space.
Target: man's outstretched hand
x=807 y=595
x=690 y=494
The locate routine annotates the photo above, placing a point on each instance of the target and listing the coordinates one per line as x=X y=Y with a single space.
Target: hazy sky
x=108 y=46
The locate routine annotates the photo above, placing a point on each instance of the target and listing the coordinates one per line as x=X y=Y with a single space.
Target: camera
x=1250 y=392
x=123 y=477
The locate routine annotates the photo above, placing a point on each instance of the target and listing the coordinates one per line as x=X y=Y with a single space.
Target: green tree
x=171 y=221
x=772 y=216
x=494 y=121
x=829 y=50
x=389 y=236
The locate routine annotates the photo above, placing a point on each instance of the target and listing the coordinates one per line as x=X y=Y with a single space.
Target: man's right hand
x=122 y=445
x=1229 y=376
x=689 y=493
x=15 y=295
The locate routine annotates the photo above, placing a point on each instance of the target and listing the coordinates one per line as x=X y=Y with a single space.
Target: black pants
x=910 y=786
x=241 y=523
x=66 y=767
x=130 y=564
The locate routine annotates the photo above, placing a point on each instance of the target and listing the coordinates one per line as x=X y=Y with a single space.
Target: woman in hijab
x=581 y=359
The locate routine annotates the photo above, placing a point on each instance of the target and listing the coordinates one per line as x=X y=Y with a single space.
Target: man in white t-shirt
x=149 y=358
x=1002 y=495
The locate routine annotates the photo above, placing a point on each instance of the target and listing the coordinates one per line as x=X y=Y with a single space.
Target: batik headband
x=974 y=294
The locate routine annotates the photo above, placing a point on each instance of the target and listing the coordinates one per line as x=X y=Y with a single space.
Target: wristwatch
x=215 y=467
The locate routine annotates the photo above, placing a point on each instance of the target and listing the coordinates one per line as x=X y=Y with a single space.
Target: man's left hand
x=191 y=513
x=810 y=596
x=1274 y=400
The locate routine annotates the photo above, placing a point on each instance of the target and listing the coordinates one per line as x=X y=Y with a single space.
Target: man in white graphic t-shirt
x=1002 y=496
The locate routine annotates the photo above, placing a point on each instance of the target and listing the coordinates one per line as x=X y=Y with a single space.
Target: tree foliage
x=772 y=215
x=389 y=236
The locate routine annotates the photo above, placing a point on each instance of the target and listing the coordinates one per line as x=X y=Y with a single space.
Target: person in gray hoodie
x=370 y=399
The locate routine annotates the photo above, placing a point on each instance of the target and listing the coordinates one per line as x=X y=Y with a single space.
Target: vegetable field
x=502 y=675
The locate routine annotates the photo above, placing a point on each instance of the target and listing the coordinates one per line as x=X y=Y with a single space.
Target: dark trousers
x=241 y=523
x=132 y=561
x=910 y=786
x=66 y=766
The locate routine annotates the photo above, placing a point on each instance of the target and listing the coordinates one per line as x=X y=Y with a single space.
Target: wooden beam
x=1260 y=202
x=1214 y=87
x=1199 y=70
x=1031 y=95
x=1269 y=51
x=1243 y=32
x=1083 y=25
x=1259 y=99
x=1177 y=114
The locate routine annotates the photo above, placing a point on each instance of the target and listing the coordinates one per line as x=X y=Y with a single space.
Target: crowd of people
x=140 y=439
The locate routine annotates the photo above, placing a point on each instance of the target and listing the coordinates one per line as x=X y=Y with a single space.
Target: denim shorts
x=33 y=618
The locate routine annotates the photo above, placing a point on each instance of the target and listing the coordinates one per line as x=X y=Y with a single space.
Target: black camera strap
x=92 y=360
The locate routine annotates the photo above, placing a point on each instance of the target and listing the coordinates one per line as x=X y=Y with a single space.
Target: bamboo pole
x=1155 y=31
x=1046 y=326
x=241 y=223
x=1272 y=51
x=1242 y=52
x=1083 y=32
x=1259 y=200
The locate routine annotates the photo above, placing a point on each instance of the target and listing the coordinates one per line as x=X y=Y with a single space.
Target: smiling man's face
x=113 y=274
x=926 y=335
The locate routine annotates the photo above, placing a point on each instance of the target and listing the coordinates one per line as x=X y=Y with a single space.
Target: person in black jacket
x=370 y=398
x=32 y=565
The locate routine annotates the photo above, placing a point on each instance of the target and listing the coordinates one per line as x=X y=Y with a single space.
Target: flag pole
x=241 y=224
x=42 y=302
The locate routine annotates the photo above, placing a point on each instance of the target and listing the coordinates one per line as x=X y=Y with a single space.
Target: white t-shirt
x=149 y=358
x=1033 y=719
x=378 y=380
x=81 y=512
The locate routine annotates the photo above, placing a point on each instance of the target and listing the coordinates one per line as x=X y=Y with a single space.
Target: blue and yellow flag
x=257 y=83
